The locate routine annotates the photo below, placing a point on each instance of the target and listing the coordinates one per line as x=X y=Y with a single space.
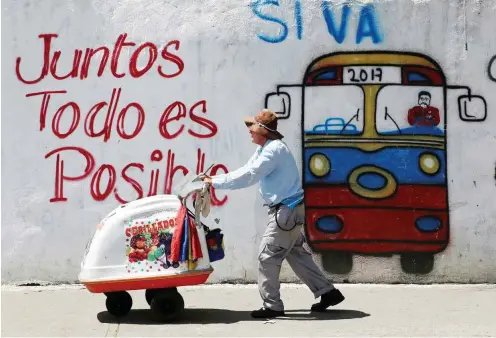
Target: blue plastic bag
x=215 y=245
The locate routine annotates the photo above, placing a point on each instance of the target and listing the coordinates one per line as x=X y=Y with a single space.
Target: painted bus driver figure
x=275 y=168
x=423 y=114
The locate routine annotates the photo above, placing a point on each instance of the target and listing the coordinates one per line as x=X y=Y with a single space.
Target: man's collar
x=260 y=148
x=267 y=142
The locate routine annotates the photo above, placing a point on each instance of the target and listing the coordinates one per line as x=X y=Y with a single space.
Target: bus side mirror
x=472 y=108
x=279 y=103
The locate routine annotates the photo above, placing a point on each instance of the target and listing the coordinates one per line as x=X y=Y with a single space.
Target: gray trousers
x=286 y=243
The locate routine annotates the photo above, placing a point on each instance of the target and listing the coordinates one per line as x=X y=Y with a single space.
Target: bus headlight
x=428 y=223
x=320 y=165
x=330 y=224
x=429 y=163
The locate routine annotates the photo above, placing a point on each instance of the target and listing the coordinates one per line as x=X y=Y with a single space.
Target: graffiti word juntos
x=170 y=125
x=103 y=181
x=150 y=228
x=367 y=27
x=491 y=69
x=82 y=61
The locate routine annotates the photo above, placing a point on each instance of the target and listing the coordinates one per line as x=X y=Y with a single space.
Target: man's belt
x=278 y=205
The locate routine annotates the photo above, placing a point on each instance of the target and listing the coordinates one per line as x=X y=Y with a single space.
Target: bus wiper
x=349 y=121
x=396 y=124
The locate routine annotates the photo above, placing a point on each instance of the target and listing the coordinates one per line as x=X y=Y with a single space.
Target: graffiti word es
x=336 y=20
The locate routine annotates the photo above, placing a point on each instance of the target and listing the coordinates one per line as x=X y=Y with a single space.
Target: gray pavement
x=224 y=310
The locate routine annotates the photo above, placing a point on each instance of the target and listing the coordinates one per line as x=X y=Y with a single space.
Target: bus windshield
x=410 y=110
x=334 y=110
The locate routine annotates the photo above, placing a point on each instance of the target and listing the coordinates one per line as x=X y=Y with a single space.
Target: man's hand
x=207 y=179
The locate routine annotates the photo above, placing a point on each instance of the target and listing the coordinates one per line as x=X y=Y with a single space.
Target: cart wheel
x=167 y=305
x=175 y=265
x=119 y=303
x=149 y=293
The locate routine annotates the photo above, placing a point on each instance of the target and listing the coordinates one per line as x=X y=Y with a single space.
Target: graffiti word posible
x=103 y=179
x=336 y=19
x=82 y=61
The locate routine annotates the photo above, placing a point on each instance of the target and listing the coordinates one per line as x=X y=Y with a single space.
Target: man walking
x=275 y=168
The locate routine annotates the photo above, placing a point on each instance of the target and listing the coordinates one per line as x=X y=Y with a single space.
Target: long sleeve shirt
x=274 y=167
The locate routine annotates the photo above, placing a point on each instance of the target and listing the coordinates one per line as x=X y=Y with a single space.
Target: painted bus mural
x=374 y=155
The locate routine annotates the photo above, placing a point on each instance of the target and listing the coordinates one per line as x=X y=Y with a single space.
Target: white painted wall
x=226 y=64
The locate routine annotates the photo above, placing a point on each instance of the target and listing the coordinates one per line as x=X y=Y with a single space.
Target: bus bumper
x=377 y=229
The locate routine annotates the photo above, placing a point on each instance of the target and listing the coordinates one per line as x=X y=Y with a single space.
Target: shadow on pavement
x=221 y=316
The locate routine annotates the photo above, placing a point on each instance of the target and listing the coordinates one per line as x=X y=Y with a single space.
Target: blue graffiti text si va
x=335 y=16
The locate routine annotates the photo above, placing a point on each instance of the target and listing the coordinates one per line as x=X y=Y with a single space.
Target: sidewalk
x=369 y=310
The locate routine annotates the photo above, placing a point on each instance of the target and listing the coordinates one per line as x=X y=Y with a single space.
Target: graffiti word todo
x=367 y=27
x=81 y=65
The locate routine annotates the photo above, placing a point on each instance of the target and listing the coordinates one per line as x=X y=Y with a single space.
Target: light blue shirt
x=275 y=168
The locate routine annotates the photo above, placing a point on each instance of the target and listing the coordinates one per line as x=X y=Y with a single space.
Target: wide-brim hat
x=265 y=123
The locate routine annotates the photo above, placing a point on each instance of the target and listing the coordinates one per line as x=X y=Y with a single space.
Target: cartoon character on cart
x=152 y=246
x=374 y=167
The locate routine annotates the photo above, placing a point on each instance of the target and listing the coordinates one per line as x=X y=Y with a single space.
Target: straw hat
x=265 y=123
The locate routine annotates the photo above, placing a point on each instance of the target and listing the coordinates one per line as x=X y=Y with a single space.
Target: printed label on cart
x=140 y=227
x=149 y=245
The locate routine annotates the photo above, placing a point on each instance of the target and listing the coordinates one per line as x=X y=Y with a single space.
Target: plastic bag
x=215 y=244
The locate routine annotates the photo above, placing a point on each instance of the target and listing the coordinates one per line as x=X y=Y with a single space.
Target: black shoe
x=266 y=313
x=333 y=297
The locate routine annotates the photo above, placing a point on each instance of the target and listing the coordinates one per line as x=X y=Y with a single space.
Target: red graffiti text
x=104 y=182
x=170 y=125
x=82 y=61
x=114 y=116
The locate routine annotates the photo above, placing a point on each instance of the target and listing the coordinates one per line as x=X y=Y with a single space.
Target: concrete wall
x=212 y=63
